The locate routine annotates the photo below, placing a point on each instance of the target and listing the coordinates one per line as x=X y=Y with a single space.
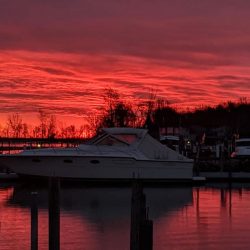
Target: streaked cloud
x=60 y=55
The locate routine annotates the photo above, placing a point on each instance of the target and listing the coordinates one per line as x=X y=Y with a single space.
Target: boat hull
x=109 y=168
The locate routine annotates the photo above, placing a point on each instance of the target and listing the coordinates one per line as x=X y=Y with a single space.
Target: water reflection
x=212 y=217
x=109 y=203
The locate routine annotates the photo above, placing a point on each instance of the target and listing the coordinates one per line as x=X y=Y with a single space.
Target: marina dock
x=11 y=145
x=205 y=170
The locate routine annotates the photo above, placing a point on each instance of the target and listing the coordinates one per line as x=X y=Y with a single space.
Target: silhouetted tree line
x=47 y=127
x=151 y=114
x=155 y=114
x=233 y=116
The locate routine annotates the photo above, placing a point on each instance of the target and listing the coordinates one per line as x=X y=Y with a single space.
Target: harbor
x=143 y=206
x=124 y=125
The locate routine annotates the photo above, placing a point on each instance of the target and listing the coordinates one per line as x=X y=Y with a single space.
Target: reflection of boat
x=107 y=202
x=117 y=153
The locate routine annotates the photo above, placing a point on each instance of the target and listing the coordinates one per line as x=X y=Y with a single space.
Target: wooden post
x=34 y=222
x=197 y=161
x=136 y=207
x=230 y=199
x=141 y=231
x=54 y=213
x=146 y=231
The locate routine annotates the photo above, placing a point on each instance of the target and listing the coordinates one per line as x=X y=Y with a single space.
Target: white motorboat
x=115 y=154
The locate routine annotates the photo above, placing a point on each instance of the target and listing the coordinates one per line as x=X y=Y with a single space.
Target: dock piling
x=54 y=213
x=34 y=222
x=141 y=231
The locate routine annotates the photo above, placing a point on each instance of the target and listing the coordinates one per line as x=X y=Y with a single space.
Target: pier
x=141 y=231
x=11 y=145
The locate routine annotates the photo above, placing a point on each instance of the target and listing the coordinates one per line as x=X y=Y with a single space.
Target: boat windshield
x=128 y=138
x=117 y=139
x=114 y=139
x=111 y=141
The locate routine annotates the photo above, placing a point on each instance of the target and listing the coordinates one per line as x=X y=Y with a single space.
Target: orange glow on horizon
x=71 y=86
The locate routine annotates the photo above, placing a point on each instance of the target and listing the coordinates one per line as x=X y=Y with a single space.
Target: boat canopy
x=133 y=140
x=119 y=137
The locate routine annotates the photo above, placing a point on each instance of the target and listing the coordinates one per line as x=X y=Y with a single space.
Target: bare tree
x=243 y=100
x=94 y=123
x=15 y=124
x=52 y=126
x=85 y=131
x=116 y=112
x=37 y=131
x=25 y=131
x=71 y=131
x=145 y=109
x=47 y=124
x=43 y=118
x=111 y=98
x=6 y=131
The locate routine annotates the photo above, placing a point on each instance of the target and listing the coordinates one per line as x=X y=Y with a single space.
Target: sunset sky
x=60 y=55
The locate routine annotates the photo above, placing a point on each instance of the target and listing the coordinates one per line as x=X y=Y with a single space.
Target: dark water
x=99 y=218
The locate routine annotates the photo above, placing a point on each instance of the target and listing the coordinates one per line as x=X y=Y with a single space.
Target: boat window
x=128 y=138
x=110 y=141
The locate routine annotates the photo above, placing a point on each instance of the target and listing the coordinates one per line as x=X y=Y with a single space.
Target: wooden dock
x=8 y=145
